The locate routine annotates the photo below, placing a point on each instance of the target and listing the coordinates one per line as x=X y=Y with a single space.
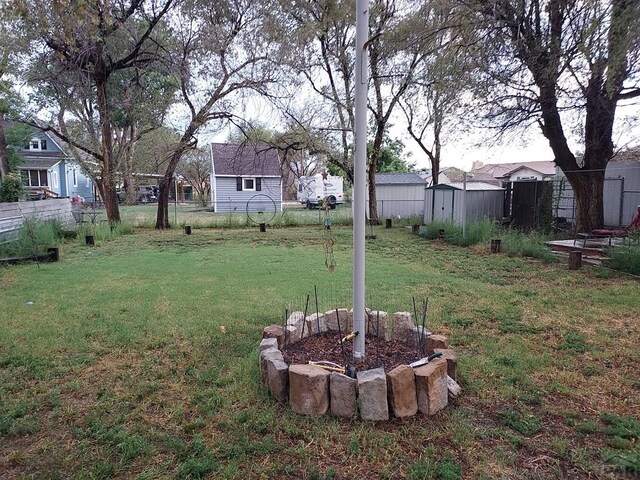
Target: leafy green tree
x=81 y=48
x=391 y=157
x=567 y=67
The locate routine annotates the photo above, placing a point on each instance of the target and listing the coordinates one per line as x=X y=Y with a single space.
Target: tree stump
x=575 y=260
x=263 y=227
x=387 y=223
x=89 y=240
x=415 y=229
x=495 y=245
x=187 y=229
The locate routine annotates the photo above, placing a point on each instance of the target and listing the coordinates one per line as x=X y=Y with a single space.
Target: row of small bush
x=35 y=236
x=625 y=258
x=514 y=242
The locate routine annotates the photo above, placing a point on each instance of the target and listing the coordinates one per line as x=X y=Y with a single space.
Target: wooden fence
x=12 y=215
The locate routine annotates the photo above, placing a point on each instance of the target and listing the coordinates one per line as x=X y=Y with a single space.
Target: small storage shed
x=400 y=194
x=245 y=176
x=445 y=202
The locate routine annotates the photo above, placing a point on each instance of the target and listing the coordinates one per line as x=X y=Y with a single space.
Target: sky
x=461 y=148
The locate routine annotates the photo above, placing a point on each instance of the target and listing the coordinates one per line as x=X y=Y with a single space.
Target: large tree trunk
x=4 y=160
x=162 y=217
x=186 y=143
x=108 y=189
x=373 y=167
x=588 y=188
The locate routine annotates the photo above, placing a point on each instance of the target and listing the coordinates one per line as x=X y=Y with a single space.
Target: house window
x=75 y=177
x=54 y=179
x=38 y=144
x=248 y=184
x=34 y=178
x=88 y=179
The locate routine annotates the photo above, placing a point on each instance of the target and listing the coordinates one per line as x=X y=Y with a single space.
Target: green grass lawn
x=113 y=362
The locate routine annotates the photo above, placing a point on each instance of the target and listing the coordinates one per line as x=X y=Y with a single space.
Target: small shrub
x=34 y=237
x=516 y=243
x=625 y=259
x=11 y=189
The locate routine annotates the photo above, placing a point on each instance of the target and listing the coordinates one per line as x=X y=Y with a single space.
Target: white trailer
x=312 y=191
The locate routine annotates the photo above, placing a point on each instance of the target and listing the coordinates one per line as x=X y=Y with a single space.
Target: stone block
x=431 y=386
x=436 y=341
x=401 y=384
x=265 y=355
x=332 y=316
x=274 y=331
x=278 y=379
x=343 y=395
x=377 y=324
x=297 y=320
x=308 y=389
x=266 y=343
x=314 y=321
x=292 y=334
x=413 y=336
x=402 y=320
x=372 y=395
x=452 y=361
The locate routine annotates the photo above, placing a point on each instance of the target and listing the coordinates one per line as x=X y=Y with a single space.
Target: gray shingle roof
x=38 y=163
x=245 y=159
x=399 y=179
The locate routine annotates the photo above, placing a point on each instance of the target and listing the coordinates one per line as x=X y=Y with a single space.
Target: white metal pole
x=360 y=176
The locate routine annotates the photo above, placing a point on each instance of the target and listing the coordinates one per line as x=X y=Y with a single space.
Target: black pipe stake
x=286 y=315
x=415 y=315
x=424 y=327
x=423 y=336
x=315 y=293
x=344 y=354
x=304 y=320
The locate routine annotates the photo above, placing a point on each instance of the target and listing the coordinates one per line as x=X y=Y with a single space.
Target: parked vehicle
x=147 y=194
x=315 y=191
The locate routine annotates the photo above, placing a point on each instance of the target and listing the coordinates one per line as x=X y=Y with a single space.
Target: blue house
x=245 y=177
x=48 y=171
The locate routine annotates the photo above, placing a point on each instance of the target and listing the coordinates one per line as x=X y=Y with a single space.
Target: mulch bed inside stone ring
x=379 y=353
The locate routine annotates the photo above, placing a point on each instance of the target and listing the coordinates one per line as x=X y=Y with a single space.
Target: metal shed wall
x=400 y=200
x=447 y=204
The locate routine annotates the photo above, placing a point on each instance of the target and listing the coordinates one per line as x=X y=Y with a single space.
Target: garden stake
x=286 y=315
x=344 y=354
x=315 y=293
x=415 y=316
x=304 y=320
x=423 y=334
